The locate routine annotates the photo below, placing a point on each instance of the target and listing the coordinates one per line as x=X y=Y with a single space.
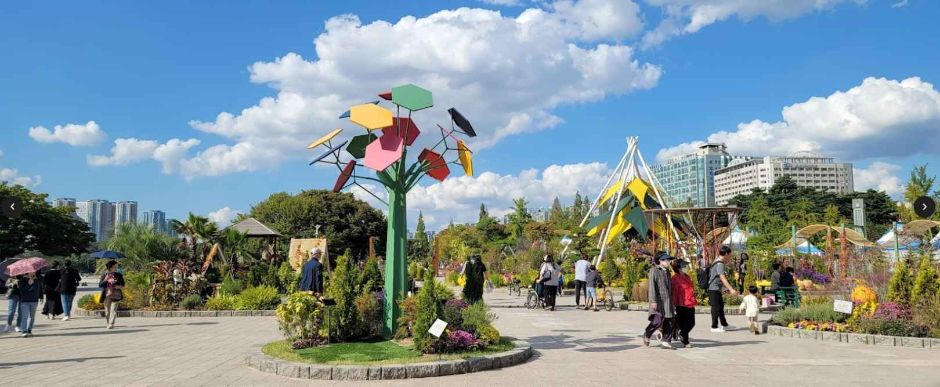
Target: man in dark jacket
x=50 y=288
x=68 y=286
x=311 y=279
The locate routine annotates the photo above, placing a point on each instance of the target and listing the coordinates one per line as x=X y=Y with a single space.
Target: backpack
x=704 y=277
x=547 y=275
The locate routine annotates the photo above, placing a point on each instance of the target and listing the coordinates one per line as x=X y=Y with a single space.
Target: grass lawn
x=368 y=352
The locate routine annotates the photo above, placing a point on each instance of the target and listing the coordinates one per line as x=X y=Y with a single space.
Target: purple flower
x=456 y=303
x=812 y=275
x=462 y=339
x=891 y=311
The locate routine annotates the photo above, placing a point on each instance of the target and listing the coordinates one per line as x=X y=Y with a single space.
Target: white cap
x=315 y=251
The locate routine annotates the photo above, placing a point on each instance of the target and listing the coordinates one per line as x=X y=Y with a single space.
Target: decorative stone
x=289 y=370
x=830 y=336
x=479 y=364
x=394 y=372
x=859 y=338
x=321 y=372
x=496 y=361
x=883 y=340
x=453 y=367
x=934 y=343
x=269 y=366
x=911 y=342
x=303 y=371
x=350 y=373
x=375 y=373
x=808 y=334
x=421 y=370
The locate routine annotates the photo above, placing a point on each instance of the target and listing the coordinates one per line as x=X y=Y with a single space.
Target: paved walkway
x=574 y=347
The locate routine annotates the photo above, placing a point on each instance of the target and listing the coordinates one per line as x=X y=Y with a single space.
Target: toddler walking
x=751 y=306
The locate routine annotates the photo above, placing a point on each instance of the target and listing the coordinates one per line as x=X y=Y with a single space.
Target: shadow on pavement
x=563 y=341
x=39 y=333
x=138 y=326
x=75 y=360
x=700 y=343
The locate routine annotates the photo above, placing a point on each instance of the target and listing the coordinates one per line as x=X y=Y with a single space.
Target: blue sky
x=162 y=73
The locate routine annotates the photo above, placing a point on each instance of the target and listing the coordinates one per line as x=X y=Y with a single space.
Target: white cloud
x=223 y=216
x=130 y=150
x=689 y=16
x=459 y=198
x=73 y=134
x=879 y=176
x=900 y=4
x=12 y=176
x=505 y=3
x=879 y=118
x=1 y=152
x=506 y=74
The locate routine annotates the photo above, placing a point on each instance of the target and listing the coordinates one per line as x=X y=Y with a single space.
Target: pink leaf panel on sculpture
x=384 y=151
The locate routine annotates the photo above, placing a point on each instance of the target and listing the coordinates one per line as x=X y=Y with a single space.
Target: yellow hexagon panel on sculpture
x=322 y=140
x=370 y=116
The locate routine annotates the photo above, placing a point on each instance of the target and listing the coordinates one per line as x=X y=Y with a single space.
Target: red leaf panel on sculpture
x=386 y=95
x=404 y=127
x=437 y=166
x=384 y=151
x=344 y=176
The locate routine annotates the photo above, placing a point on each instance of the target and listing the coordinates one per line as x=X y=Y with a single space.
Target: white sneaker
x=66 y=318
x=18 y=329
x=27 y=335
x=666 y=345
x=110 y=326
x=718 y=330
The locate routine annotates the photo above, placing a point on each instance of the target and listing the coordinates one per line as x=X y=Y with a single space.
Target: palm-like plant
x=195 y=228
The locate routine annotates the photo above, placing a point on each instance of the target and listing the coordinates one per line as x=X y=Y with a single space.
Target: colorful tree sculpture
x=386 y=154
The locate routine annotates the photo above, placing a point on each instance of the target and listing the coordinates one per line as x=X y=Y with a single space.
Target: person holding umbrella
x=30 y=293
x=111 y=284
x=30 y=290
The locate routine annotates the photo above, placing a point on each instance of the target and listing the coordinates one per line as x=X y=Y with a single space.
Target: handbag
x=116 y=295
x=546 y=276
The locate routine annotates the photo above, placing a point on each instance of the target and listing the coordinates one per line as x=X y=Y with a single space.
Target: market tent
x=803 y=247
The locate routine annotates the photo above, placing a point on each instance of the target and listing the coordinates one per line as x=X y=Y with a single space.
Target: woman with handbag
x=50 y=288
x=549 y=276
x=111 y=284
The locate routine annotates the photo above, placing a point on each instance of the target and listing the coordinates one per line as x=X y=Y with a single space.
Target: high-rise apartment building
x=689 y=180
x=99 y=215
x=822 y=173
x=156 y=219
x=125 y=212
x=63 y=202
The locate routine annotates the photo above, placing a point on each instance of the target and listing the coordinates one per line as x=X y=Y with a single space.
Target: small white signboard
x=437 y=329
x=842 y=306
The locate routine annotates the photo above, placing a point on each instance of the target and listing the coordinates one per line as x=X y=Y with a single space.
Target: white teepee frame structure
x=630 y=166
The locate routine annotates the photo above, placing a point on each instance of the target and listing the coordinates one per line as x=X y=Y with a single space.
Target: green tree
x=770 y=228
x=578 y=211
x=346 y=221
x=832 y=217
x=192 y=230
x=901 y=283
x=419 y=247
x=428 y=310
x=925 y=285
x=801 y=213
x=143 y=246
x=519 y=218
x=342 y=288
x=919 y=184
x=370 y=278
x=558 y=217
x=483 y=213
x=51 y=231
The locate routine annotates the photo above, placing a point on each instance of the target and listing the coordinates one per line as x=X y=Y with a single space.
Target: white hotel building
x=823 y=173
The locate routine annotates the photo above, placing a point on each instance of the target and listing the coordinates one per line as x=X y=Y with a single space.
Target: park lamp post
x=386 y=155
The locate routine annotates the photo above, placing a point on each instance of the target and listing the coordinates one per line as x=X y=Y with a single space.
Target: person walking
x=717 y=280
x=30 y=287
x=683 y=296
x=68 y=286
x=775 y=277
x=751 y=308
x=13 y=304
x=311 y=279
x=580 y=280
x=561 y=284
x=474 y=271
x=742 y=271
x=550 y=275
x=111 y=284
x=661 y=310
x=592 y=279
x=53 y=300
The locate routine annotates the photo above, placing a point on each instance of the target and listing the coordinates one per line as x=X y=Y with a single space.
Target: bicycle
x=514 y=287
x=605 y=299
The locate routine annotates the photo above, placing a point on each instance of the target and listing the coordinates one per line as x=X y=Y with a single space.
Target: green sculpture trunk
x=396 y=250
